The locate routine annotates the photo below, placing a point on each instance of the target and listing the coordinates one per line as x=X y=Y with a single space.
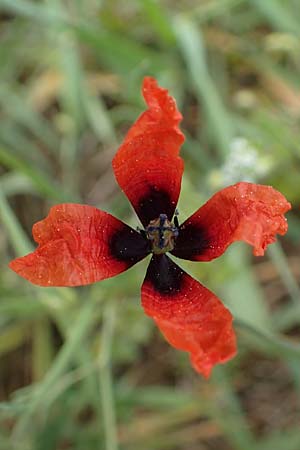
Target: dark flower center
x=162 y=234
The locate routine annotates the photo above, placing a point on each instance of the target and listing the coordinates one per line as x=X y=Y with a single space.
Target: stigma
x=162 y=234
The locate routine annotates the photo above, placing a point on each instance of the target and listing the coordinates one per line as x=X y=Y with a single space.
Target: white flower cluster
x=243 y=163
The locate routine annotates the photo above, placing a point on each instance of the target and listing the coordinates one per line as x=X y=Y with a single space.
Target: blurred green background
x=84 y=368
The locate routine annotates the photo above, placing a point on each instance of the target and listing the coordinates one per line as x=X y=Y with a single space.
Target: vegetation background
x=84 y=368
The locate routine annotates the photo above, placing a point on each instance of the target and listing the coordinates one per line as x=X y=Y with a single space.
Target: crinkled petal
x=190 y=317
x=79 y=245
x=147 y=166
x=244 y=212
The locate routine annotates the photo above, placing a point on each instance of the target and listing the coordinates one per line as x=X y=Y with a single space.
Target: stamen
x=176 y=222
x=162 y=234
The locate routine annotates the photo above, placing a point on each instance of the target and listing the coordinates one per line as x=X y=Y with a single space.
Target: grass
x=84 y=368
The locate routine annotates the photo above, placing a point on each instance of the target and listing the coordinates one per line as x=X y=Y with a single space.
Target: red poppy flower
x=79 y=244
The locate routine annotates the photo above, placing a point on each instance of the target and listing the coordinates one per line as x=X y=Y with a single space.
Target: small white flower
x=243 y=163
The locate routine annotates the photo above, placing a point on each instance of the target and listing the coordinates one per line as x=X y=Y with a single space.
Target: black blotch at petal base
x=128 y=245
x=191 y=241
x=154 y=203
x=164 y=275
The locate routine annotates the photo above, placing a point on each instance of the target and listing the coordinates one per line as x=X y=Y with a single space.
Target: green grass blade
x=242 y=292
x=106 y=386
x=33 y=10
x=228 y=412
x=279 y=260
x=120 y=53
x=278 y=14
x=192 y=47
x=40 y=180
x=159 y=21
x=268 y=342
x=17 y=236
x=79 y=329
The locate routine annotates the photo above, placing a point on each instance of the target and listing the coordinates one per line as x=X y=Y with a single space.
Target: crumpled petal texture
x=190 y=317
x=147 y=166
x=249 y=212
x=79 y=245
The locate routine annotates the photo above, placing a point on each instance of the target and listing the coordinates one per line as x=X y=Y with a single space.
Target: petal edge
x=78 y=245
x=190 y=317
x=250 y=212
x=147 y=166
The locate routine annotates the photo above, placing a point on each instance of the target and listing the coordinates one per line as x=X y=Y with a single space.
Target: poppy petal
x=147 y=166
x=190 y=317
x=79 y=245
x=244 y=212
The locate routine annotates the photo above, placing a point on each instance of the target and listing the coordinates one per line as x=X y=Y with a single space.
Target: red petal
x=244 y=212
x=79 y=245
x=147 y=166
x=190 y=316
